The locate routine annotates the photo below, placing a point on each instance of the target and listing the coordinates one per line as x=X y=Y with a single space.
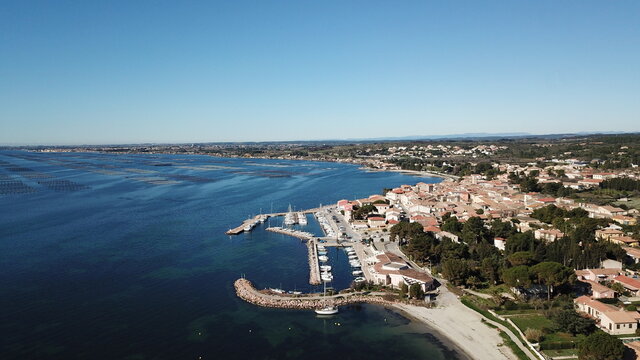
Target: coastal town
x=548 y=270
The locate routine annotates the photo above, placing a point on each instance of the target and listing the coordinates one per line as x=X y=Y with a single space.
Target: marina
x=290 y=219
x=320 y=269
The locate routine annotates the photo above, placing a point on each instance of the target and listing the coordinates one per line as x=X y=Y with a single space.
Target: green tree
x=456 y=270
x=517 y=276
x=520 y=258
x=568 y=320
x=403 y=290
x=617 y=287
x=552 y=274
x=600 y=346
x=452 y=225
x=473 y=230
x=362 y=212
x=415 y=292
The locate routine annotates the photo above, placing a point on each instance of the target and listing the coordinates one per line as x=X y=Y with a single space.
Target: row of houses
x=612 y=319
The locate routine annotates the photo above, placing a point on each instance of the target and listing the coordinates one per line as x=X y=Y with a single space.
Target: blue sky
x=95 y=72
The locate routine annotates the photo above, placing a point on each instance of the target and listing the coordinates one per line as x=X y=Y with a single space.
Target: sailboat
x=329 y=309
x=289 y=218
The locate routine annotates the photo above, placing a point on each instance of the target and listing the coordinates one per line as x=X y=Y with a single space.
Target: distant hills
x=449 y=137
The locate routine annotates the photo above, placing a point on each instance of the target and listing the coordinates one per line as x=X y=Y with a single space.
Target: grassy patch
x=564 y=352
x=493 y=289
x=533 y=321
x=517 y=312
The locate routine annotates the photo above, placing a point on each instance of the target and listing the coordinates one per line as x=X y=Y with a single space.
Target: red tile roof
x=632 y=283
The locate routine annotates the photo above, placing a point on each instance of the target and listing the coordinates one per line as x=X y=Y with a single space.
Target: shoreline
x=457 y=328
x=456 y=325
x=413 y=172
x=444 y=339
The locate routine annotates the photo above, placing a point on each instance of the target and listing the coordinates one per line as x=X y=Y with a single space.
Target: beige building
x=611 y=319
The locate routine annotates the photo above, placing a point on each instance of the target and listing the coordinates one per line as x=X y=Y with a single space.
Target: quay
x=247 y=292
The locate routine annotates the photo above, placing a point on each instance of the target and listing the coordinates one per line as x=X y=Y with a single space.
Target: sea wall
x=246 y=291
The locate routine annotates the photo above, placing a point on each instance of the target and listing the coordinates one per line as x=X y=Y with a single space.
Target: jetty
x=314 y=266
x=303 y=235
x=249 y=222
x=247 y=292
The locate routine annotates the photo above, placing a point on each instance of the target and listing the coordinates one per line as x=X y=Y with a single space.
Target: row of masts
x=292 y=218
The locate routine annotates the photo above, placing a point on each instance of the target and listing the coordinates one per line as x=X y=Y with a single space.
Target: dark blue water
x=125 y=257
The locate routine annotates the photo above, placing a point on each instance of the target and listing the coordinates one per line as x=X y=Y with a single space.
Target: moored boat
x=327 y=310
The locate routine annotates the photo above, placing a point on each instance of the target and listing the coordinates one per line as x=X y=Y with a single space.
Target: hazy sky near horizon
x=95 y=72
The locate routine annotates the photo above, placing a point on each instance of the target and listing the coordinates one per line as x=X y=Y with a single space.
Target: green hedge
x=557 y=345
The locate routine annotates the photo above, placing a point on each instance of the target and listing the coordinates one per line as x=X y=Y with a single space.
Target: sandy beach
x=461 y=326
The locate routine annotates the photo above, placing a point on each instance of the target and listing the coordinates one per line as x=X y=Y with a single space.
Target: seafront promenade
x=246 y=291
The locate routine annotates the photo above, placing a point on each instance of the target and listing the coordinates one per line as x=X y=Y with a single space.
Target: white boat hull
x=327 y=311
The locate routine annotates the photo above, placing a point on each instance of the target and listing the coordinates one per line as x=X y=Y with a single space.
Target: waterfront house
x=391 y=269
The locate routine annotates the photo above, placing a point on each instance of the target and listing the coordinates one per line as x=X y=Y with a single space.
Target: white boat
x=359 y=279
x=325 y=267
x=327 y=310
x=353 y=257
x=302 y=219
x=356 y=272
x=289 y=217
x=276 y=290
x=323 y=258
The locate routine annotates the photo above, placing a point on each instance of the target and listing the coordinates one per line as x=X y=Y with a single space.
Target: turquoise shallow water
x=124 y=257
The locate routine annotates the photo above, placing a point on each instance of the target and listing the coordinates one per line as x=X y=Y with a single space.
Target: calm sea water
x=125 y=257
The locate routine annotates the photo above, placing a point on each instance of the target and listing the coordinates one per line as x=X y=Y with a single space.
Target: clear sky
x=95 y=72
